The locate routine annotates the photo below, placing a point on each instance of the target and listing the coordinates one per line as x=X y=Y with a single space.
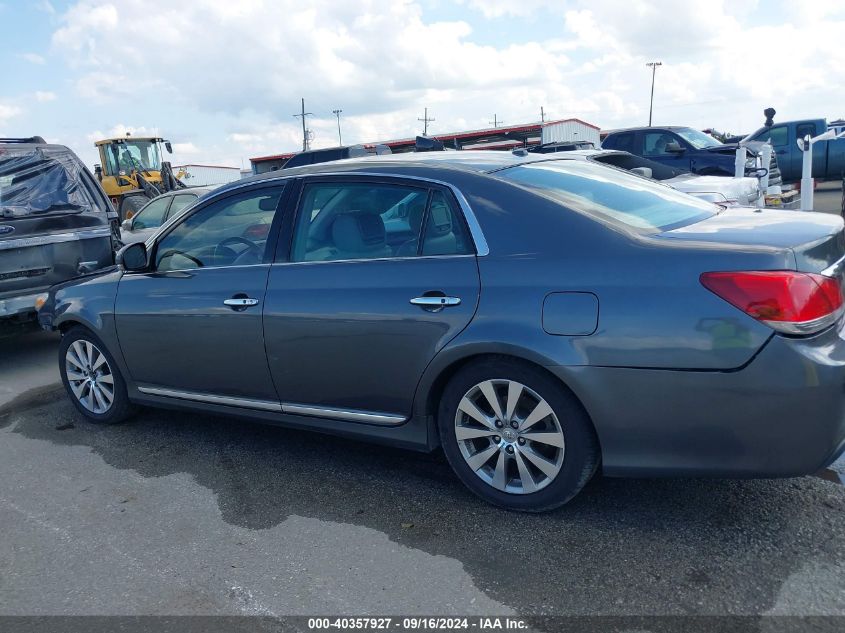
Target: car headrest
x=439 y=220
x=358 y=232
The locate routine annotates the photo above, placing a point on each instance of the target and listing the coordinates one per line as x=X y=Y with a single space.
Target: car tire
x=546 y=460
x=92 y=379
x=131 y=204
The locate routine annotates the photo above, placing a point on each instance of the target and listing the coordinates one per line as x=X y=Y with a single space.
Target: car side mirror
x=168 y=147
x=133 y=257
x=98 y=171
x=126 y=225
x=674 y=147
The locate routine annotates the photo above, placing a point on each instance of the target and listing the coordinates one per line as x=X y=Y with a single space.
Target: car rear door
x=191 y=326
x=353 y=314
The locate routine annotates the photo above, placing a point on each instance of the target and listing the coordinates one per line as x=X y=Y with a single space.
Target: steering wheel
x=174 y=251
x=250 y=246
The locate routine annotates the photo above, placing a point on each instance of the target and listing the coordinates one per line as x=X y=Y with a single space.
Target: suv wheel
x=516 y=437
x=91 y=378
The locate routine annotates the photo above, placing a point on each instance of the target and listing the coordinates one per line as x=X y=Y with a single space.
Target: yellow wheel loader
x=132 y=173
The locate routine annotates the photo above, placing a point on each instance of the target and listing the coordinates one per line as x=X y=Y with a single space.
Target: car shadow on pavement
x=695 y=546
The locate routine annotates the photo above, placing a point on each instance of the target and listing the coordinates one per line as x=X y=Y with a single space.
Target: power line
x=426 y=121
x=304 y=114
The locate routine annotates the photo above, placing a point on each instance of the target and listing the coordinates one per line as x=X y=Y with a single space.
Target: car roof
x=473 y=161
x=649 y=127
x=197 y=190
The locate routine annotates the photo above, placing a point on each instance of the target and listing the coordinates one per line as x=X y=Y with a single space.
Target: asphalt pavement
x=174 y=513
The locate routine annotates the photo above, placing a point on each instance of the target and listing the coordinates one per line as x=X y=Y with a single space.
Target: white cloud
x=186 y=148
x=8 y=112
x=44 y=96
x=33 y=58
x=247 y=63
x=511 y=8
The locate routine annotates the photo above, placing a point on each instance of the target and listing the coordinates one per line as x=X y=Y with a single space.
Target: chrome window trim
x=834 y=269
x=310 y=410
x=481 y=247
x=404 y=258
x=55 y=238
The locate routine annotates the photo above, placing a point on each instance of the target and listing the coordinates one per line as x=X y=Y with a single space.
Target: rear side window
x=376 y=221
x=444 y=232
x=805 y=129
x=621 y=198
x=624 y=142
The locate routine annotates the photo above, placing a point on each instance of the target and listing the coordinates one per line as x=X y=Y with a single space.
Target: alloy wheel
x=89 y=376
x=509 y=436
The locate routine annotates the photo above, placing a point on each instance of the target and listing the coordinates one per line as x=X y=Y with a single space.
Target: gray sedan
x=538 y=319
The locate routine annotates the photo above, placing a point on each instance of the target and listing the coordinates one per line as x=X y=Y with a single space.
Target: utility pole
x=542 y=115
x=304 y=114
x=426 y=121
x=653 y=66
x=339 y=137
x=495 y=122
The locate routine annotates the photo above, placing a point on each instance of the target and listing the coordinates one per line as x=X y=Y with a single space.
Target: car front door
x=358 y=303
x=657 y=145
x=191 y=326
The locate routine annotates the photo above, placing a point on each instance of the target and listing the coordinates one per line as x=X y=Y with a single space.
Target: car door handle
x=436 y=302
x=240 y=302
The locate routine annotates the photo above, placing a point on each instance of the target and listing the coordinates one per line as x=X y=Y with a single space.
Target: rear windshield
x=45 y=180
x=610 y=194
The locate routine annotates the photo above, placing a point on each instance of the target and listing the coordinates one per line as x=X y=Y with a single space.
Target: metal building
x=205 y=175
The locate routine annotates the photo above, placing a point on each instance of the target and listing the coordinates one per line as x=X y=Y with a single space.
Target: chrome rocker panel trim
x=347 y=415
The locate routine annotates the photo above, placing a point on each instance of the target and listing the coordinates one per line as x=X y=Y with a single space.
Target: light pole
x=654 y=66
x=339 y=137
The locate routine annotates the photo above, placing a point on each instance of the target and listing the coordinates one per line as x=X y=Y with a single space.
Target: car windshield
x=132 y=155
x=612 y=195
x=699 y=140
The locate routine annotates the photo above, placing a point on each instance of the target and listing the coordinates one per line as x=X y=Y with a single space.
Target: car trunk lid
x=816 y=239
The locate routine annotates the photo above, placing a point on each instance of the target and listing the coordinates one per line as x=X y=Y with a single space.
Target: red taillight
x=790 y=302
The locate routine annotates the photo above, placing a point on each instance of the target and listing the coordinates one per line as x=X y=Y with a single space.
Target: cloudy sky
x=222 y=78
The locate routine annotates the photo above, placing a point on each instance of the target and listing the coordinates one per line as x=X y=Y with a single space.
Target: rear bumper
x=781 y=415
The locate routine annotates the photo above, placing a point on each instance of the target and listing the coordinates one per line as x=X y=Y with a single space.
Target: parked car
x=731 y=191
x=55 y=222
x=538 y=318
x=828 y=156
x=157 y=211
x=689 y=150
x=314 y=156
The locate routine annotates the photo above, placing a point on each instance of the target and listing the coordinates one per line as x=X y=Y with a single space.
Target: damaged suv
x=55 y=223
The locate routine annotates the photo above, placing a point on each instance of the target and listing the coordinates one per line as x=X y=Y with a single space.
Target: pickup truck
x=689 y=150
x=828 y=156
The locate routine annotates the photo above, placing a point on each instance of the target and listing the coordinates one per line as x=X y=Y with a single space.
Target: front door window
x=231 y=232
